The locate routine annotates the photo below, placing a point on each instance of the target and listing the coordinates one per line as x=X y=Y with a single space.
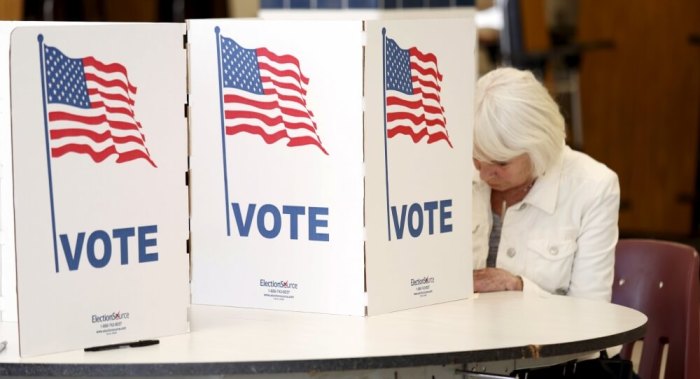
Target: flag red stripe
x=301 y=100
x=109 y=68
x=93 y=135
x=108 y=83
x=257 y=130
x=415 y=120
x=110 y=96
x=425 y=83
x=282 y=73
x=267 y=105
x=92 y=120
x=289 y=86
x=99 y=156
x=270 y=121
x=415 y=104
x=104 y=67
x=426 y=95
x=270 y=105
x=293 y=99
x=293 y=112
x=115 y=110
x=133 y=155
x=418 y=104
x=305 y=140
x=425 y=57
x=282 y=59
x=272 y=138
x=426 y=71
x=417 y=136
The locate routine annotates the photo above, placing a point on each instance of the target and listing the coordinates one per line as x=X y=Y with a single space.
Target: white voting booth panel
x=419 y=96
x=277 y=177
x=8 y=289
x=99 y=154
x=8 y=282
x=302 y=197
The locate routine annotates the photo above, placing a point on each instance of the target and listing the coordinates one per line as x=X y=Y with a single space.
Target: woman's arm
x=594 y=264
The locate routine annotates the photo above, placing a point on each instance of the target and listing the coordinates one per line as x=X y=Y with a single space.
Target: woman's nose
x=488 y=170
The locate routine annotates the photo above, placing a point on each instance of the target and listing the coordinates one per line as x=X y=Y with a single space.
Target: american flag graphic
x=265 y=94
x=90 y=109
x=413 y=105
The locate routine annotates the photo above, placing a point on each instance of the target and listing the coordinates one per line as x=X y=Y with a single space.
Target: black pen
x=123 y=345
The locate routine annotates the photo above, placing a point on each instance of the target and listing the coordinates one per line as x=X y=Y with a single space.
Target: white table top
x=224 y=340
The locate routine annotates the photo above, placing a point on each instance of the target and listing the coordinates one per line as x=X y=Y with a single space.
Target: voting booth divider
x=99 y=156
x=313 y=166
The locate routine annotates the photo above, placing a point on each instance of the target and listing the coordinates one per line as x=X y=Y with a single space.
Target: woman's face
x=502 y=176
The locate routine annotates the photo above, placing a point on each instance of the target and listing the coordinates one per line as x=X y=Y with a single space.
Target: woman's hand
x=496 y=279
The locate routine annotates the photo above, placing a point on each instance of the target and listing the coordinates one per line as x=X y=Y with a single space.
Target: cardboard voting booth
x=330 y=163
x=8 y=279
x=100 y=203
x=315 y=166
x=418 y=156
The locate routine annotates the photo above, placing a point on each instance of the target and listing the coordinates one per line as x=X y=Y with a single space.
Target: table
x=513 y=327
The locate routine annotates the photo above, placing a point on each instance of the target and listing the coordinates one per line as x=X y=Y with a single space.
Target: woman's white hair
x=514 y=115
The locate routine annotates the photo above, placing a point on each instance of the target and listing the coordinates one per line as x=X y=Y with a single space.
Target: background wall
x=640 y=103
x=11 y=9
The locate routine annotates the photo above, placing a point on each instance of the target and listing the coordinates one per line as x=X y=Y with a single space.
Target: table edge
x=530 y=352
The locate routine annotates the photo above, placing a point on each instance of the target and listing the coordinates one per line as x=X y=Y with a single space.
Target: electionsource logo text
x=424 y=280
x=277 y=284
x=110 y=317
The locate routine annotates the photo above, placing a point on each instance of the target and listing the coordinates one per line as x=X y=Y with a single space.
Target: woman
x=545 y=216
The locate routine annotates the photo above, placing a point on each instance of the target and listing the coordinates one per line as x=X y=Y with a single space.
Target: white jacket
x=561 y=237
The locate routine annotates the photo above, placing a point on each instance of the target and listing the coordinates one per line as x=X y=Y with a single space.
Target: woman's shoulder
x=581 y=166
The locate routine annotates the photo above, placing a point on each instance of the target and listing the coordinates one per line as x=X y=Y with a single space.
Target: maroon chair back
x=662 y=280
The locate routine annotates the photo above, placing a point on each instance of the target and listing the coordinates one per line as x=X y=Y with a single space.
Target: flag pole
x=217 y=30
x=40 y=38
x=386 y=156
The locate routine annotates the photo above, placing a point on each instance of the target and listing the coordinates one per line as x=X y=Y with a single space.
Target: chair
x=661 y=279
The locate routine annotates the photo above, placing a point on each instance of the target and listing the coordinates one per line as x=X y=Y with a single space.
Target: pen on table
x=123 y=345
